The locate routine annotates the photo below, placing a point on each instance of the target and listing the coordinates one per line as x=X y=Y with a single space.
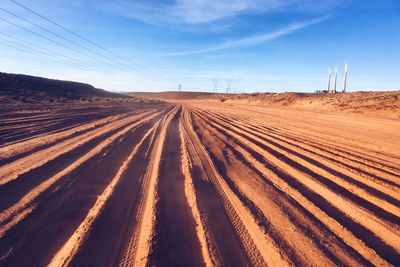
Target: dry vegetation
x=193 y=183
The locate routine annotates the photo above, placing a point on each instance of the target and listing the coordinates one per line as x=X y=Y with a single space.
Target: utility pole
x=335 y=81
x=345 y=78
x=215 y=81
x=228 y=85
x=329 y=79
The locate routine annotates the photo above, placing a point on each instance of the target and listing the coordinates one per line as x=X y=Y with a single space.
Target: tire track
x=113 y=229
x=12 y=170
x=360 y=231
x=7 y=220
x=297 y=168
x=202 y=232
x=197 y=183
x=62 y=208
x=138 y=250
x=175 y=242
x=327 y=152
x=70 y=248
x=260 y=250
x=388 y=200
x=320 y=127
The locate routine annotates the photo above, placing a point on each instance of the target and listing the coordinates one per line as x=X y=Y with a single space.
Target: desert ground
x=198 y=182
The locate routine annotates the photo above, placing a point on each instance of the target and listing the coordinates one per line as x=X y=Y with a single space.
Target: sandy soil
x=377 y=104
x=198 y=183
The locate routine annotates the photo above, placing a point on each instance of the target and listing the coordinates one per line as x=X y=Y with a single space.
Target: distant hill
x=25 y=86
x=378 y=103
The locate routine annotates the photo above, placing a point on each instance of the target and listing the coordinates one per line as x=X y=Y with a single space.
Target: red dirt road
x=198 y=184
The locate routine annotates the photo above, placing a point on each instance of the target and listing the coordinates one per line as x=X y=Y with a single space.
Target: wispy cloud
x=252 y=40
x=200 y=12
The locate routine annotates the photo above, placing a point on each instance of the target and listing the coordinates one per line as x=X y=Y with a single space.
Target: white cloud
x=252 y=40
x=200 y=12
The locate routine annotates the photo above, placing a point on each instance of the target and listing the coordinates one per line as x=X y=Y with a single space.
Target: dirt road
x=198 y=184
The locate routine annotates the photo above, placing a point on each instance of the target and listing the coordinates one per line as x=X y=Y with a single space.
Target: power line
x=140 y=68
x=66 y=39
x=49 y=52
x=68 y=47
x=28 y=50
x=51 y=32
x=54 y=34
x=42 y=36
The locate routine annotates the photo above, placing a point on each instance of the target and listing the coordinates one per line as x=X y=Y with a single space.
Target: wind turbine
x=335 y=81
x=345 y=77
x=329 y=79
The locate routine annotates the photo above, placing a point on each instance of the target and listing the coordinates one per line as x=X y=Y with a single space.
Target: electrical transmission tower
x=228 y=85
x=180 y=87
x=215 y=82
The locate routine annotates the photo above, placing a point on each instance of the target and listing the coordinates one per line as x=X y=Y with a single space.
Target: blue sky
x=263 y=45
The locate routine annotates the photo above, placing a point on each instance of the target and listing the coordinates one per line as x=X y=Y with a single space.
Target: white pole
x=335 y=81
x=345 y=77
x=329 y=79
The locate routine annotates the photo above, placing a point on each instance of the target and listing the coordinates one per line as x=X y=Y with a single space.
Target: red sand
x=251 y=180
